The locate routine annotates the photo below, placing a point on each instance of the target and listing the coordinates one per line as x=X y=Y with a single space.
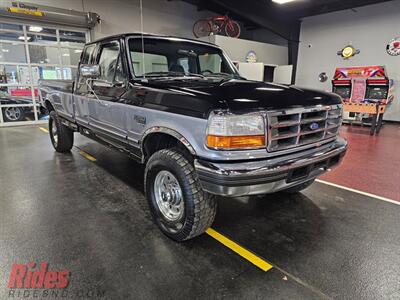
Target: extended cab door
x=107 y=115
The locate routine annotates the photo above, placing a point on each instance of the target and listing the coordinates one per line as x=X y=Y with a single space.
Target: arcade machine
x=366 y=91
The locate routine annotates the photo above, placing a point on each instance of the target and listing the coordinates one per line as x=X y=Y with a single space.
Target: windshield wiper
x=172 y=73
x=225 y=76
x=160 y=74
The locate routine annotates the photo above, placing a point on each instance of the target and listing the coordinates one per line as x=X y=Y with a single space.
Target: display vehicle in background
x=12 y=108
x=180 y=107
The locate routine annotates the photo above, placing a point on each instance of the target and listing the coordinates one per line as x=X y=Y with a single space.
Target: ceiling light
x=282 y=1
x=78 y=51
x=65 y=54
x=5 y=50
x=35 y=28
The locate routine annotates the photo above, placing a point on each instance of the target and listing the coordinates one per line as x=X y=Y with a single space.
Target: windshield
x=173 y=57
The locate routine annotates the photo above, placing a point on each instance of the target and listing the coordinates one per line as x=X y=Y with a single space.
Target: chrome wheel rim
x=13 y=113
x=54 y=133
x=168 y=194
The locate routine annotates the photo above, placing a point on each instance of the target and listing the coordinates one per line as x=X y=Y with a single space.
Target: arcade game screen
x=377 y=93
x=343 y=91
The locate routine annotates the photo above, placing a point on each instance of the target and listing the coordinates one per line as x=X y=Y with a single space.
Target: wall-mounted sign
x=360 y=72
x=251 y=57
x=393 y=48
x=17 y=10
x=25 y=9
x=348 y=52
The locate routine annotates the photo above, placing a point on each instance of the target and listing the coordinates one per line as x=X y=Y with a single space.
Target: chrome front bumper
x=234 y=179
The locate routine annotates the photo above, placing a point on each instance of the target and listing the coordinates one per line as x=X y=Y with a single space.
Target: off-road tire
x=298 y=188
x=200 y=207
x=65 y=139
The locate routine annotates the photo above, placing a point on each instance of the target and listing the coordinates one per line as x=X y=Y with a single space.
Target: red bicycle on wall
x=214 y=25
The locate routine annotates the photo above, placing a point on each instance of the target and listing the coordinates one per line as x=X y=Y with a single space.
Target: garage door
x=29 y=52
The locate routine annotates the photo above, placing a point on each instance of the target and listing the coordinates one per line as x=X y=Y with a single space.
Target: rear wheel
x=61 y=136
x=300 y=187
x=202 y=28
x=232 y=29
x=179 y=206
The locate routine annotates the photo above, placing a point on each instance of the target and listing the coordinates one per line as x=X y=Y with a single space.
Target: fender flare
x=169 y=131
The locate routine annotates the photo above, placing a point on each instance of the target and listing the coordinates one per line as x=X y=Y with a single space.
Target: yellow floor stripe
x=254 y=259
x=43 y=129
x=87 y=155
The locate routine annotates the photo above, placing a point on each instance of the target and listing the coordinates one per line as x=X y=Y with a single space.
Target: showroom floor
x=86 y=212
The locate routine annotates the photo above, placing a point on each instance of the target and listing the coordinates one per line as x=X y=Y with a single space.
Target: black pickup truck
x=180 y=107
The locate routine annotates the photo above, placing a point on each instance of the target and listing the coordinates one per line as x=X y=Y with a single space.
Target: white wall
x=118 y=16
x=369 y=29
x=237 y=50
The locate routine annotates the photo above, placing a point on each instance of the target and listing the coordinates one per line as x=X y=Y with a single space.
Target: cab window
x=110 y=64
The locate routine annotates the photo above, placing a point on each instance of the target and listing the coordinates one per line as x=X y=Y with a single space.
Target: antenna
x=141 y=29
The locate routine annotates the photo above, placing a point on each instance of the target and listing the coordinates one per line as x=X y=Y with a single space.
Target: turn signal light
x=236 y=142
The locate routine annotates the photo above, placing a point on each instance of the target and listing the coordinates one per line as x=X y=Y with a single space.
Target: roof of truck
x=146 y=35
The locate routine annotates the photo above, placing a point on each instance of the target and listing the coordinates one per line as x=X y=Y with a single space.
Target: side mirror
x=90 y=71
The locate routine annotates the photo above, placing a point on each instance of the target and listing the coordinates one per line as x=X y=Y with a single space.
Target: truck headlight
x=230 y=132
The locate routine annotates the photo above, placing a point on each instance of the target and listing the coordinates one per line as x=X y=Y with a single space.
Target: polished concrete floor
x=90 y=217
x=372 y=163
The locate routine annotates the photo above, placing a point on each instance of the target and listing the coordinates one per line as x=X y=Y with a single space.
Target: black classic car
x=12 y=112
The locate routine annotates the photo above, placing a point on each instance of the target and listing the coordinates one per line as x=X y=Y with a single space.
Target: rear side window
x=86 y=58
x=87 y=54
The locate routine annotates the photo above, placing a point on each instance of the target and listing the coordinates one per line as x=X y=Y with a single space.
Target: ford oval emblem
x=314 y=126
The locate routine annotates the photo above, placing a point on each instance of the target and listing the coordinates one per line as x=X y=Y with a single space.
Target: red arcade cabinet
x=365 y=91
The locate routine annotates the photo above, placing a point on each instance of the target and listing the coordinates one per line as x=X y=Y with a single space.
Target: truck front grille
x=301 y=126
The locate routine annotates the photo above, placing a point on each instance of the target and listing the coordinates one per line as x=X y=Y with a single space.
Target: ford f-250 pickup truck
x=180 y=107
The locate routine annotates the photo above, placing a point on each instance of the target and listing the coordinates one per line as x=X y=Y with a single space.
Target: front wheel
x=61 y=136
x=232 y=29
x=179 y=206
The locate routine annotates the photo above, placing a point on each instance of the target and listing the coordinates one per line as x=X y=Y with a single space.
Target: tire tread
x=204 y=204
x=65 y=135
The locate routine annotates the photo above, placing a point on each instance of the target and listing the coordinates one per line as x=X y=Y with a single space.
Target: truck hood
x=202 y=96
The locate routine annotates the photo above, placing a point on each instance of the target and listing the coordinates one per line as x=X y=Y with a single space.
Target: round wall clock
x=393 y=48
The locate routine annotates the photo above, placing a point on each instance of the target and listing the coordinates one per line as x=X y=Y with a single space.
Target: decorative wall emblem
x=393 y=48
x=314 y=126
x=348 y=52
x=251 y=57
